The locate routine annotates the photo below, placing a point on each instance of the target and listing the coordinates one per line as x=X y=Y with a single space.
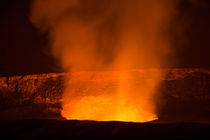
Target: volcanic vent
x=184 y=93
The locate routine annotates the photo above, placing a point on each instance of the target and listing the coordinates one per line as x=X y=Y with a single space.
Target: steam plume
x=108 y=35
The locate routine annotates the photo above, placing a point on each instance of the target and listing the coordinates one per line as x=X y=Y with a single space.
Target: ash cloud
x=92 y=34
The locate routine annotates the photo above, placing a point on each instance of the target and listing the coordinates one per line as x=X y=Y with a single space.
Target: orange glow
x=104 y=108
x=108 y=35
x=92 y=96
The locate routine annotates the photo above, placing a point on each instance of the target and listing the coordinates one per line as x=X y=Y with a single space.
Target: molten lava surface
x=102 y=108
x=130 y=99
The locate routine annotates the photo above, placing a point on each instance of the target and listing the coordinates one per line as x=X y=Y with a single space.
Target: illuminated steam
x=117 y=35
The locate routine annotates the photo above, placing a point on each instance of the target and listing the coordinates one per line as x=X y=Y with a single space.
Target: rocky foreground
x=184 y=94
x=65 y=129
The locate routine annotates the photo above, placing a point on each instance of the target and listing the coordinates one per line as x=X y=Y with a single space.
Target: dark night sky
x=24 y=49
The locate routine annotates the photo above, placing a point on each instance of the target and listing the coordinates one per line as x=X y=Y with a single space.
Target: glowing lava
x=102 y=108
x=92 y=97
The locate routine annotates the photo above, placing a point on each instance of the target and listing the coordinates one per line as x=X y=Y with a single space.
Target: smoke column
x=119 y=35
